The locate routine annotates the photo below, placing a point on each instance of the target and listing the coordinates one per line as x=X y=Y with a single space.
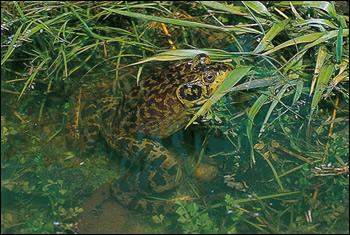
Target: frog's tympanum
x=132 y=126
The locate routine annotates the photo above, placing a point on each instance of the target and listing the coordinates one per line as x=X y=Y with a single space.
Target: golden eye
x=208 y=77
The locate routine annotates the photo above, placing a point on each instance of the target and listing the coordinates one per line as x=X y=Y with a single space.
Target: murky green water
x=296 y=182
x=47 y=187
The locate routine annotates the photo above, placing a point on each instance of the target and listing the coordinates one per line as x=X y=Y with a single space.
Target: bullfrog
x=134 y=125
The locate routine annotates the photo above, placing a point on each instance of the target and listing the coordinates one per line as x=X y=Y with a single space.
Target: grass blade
x=317 y=22
x=31 y=78
x=181 y=22
x=18 y=9
x=274 y=172
x=298 y=91
x=276 y=28
x=316 y=38
x=322 y=81
x=11 y=47
x=225 y=87
x=251 y=115
x=258 y=7
x=321 y=57
x=273 y=105
x=65 y=61
x=339 y=45
x=184 y=54
x=302 y=39
x=324 y=5
x=222 y=7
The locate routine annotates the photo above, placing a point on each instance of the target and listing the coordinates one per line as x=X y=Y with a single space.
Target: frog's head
x=204 y=79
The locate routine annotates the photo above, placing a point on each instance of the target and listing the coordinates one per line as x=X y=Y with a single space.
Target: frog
x=134 y=125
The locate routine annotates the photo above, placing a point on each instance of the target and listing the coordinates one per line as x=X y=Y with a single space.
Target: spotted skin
x=157 y=108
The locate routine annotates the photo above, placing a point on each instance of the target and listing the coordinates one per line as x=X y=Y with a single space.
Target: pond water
x=48 y=186
x=230 y=171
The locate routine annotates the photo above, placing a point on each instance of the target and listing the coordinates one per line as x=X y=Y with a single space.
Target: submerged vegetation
x=281 y=118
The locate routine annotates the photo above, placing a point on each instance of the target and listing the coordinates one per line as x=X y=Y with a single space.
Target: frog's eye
x=208 y=77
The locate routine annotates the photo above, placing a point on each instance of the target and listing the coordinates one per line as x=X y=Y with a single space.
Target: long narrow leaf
x=64 y=61
x=327 y=36
x=316 y=38
x=324 y=5
x=273 y=105
x=298 y=91
x=222 y=7
x=184 y=54
x=258 y=7
x=302 y=39
x=225 y=87
x=321 y=57
x=339 y=46
x=322 y=81
x=276 y=28
x=31 y=78
x=317 y=21
x=274 y=172
x=182 y=22
x=11 y=47
x=251 y=115
x=47 y=23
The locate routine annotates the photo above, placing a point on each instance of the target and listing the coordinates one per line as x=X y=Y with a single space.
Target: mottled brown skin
x=157 y=108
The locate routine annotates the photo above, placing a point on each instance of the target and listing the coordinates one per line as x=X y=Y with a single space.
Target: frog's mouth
x=192 y=95
x=198 y=91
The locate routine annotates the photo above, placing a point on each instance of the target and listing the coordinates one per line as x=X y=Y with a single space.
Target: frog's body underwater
x=157 y=108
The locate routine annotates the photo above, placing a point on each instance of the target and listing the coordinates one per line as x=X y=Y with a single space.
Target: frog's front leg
x=83 y=127
x=91 y=126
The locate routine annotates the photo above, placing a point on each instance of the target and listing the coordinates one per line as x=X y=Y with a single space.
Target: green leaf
x=324 y=5
x=321 y=58
x=234 y=77
x=184 y=54
x=158 y=219
x=317 y=21
x=62 y=191
x=18 y=9
x=295 y=11
x=339 y=46
x=276 y=28
x=302 y=39
x=64 y=61
x=222 y=7
x=298 y=91
x=181 y=22
x=315 y=38
x=274 y=173
x=322 y=81
x=31 y=78
x=11 y=47
x=46 y=24
x=274 y=103
x=258 y=7
x=327 y=36
x=251 y=115
x=180 y=211
x=258 y=198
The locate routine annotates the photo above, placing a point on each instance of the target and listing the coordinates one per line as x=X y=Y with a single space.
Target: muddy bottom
x=103 y=215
